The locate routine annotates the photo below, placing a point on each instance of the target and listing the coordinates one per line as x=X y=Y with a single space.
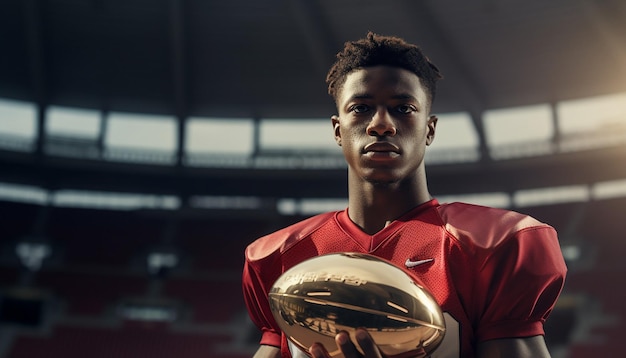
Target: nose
x=381 y=124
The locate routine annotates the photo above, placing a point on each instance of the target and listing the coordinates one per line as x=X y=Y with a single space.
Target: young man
x=496 y=274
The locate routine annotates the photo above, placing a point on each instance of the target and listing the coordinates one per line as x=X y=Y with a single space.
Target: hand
x=349 y=350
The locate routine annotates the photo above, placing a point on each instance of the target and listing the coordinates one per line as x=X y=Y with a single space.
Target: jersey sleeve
x=264 y=263
x=257 y=303
x=519 y=282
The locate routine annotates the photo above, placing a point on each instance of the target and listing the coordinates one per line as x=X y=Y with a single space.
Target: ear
x=335 y=121
x=431 y=126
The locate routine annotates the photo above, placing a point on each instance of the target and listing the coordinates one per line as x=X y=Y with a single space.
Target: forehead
x=382 y=81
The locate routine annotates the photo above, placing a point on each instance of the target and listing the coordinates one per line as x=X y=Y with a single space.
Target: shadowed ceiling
x=268 y=59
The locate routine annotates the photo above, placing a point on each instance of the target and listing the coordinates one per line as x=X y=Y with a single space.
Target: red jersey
x=495 y=273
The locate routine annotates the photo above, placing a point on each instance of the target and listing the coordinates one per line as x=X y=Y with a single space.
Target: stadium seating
x=128 y=341
x=102 y=237
x=210 y=301
x=96 y=270
x=90 y=294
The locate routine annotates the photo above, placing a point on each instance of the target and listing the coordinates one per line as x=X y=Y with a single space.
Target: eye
x=406 y=108
x=359 y=108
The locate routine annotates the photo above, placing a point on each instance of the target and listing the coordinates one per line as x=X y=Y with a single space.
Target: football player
x=495 y=273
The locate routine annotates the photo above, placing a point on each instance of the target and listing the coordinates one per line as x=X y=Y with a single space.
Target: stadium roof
x=244 y=58
x=268 y=59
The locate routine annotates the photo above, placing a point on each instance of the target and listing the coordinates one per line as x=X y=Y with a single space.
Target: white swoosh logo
x=410 y=263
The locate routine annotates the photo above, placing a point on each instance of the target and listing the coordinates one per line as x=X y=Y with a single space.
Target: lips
x=381 y=152
x=381 y=147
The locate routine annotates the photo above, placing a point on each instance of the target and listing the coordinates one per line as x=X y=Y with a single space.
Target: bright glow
x=148 y=312
x=23 y=194
x=496 y=200
x=396 y=318
x=455 y=130
x=456 y=140
x=321 y=293
x=32 y=254
x=571 y=252
x=310 y=206
x=18 y=118
x=73 y=122
x=554 y=195
x=225 y=202
x=316 y=206
x=520 y=124
x=595 y=114
x=609 y=189
x=297 y=135
x=159 y=260
x=397 y=306
x=219 y=136
x=139 y=131
x=110 y=200
x=315 y=302
x=287 y=206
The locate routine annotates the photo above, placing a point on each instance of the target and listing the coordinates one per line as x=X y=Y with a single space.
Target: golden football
x=321 y=296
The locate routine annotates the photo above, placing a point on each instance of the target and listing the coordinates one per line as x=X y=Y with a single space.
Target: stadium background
x=116 y=250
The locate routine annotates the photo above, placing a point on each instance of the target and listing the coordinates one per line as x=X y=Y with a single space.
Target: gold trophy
x=324 y=295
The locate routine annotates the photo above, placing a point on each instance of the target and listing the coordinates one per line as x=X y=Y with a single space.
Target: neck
x=372 y=206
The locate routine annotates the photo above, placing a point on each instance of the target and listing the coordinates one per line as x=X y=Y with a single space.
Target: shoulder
x=486 y=226
x=279 y=241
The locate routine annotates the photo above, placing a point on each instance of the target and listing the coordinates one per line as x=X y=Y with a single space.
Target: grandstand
x=144 y=144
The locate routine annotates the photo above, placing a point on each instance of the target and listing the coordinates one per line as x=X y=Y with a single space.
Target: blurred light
x=149 y=312
x=225 y=202
x=23 y=194
x=609 y=189
x=316 y=206
x=310 y=206
x=141 y=131
x=553 y=195
x=595 y=122
x=519 y=132
x=518 y=124
x=497 y=200
x=592 y=114
x=571 y=252
x=18 y=125
x=300 y=161
x=287 y=206
x=231 y=136
x=18 y=118
x=111 y=200
x=456 y=140
x=297 y=135
x=455 y=130
x=141 y=138
x=73 y=122
x=32 y=254
x=160 y=262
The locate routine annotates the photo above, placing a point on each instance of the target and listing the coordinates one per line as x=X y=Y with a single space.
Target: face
x=384 y=124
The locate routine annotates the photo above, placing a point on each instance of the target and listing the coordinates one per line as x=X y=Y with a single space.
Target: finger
x=317 y=350
x=367 y=344
x=346 y=346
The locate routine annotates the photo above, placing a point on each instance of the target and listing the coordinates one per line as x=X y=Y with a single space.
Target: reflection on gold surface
x=320 y=297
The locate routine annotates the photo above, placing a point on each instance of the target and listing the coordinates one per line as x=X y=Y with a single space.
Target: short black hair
x=376 y=50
